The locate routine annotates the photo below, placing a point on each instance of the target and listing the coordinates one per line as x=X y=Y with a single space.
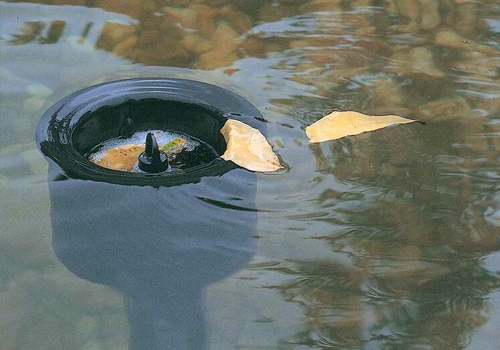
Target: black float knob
x=152 y=160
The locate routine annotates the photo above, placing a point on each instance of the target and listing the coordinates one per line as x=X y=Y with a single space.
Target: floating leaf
x=171 y=145
x=248 y=148
x=122 y=158
x=341 y=124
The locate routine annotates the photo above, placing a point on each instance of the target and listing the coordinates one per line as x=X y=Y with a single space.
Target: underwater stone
x=156 y=54
x=187 y=18
x=490 y=106
x=215 y=59
x=390 y=8
x=416 y=61
x=195 y=43
x=486 y=67
x=112 y=34
x=239 y=21
x=206 y=20
x=422 y=61
x=298 y=44
x=254 y=46
x=148 y=38
x=445 y=109
x=226 y=37
x=225 y=41
x=126 y=46
x=410 y=11
x=429 y=12
x=387 y=92
x=466 y=19
x=448 y=38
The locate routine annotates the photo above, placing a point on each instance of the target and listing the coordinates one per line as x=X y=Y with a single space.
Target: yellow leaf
x=176 y=144
x=248 y=148
x=341 y=124
x=121 y=158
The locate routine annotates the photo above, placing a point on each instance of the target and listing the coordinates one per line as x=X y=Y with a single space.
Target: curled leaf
x=248 y=148
x=341 y=124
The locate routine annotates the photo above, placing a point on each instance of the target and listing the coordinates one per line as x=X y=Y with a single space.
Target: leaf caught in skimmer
x=341 y=124
x=248 y=148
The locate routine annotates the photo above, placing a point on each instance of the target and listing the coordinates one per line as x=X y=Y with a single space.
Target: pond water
x=385 y=240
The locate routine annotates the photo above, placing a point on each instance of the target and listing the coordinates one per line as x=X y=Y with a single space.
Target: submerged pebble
x=445 y=109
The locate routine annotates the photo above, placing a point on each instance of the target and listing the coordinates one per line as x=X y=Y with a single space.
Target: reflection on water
x=149 y=246
x=383 y=241
x=386 y=306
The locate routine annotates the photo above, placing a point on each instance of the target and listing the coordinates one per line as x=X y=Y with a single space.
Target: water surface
x=385 y=240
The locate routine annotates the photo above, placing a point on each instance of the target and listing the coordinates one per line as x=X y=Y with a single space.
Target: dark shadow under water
x=160 y=247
